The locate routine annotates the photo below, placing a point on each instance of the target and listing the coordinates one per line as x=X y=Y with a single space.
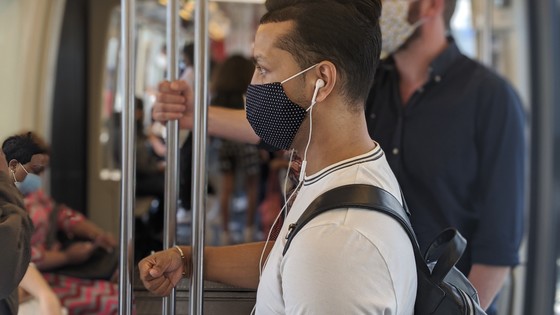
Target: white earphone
x=318 y=84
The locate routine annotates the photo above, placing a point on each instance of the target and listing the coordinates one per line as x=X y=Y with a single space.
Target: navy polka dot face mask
x=273 y=116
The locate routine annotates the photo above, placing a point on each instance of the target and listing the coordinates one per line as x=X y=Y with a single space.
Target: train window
x=462 y=28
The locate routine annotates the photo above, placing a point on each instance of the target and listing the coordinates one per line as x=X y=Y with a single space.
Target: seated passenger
x=28 y=157
x=15 y=233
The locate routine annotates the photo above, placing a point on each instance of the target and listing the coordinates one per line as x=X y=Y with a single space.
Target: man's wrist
x=183 y=259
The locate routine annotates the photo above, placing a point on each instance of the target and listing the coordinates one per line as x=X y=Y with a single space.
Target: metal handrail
x=199 y=153
x=172 y=169
x=126 y=254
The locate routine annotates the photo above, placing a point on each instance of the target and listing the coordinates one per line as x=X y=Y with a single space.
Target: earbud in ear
x=318 y=84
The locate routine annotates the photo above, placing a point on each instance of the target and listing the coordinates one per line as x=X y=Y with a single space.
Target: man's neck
x=342 y=137
x=414 y=61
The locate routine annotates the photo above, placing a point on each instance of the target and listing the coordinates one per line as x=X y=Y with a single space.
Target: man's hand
x=160 y=272
x=174 y=102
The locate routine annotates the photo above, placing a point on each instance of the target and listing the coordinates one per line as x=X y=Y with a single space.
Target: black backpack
x=442 y=288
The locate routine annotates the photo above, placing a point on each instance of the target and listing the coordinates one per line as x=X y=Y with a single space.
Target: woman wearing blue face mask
x=28 y=157
x=15 y=233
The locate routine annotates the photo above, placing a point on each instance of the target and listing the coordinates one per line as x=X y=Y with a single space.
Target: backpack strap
x=360 y=196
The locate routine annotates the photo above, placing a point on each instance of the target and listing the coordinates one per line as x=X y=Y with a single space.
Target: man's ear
x=13 y=164
x=433 y=8
x=325 y=71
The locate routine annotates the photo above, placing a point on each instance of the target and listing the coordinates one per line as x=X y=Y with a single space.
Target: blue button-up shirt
x=457 y=148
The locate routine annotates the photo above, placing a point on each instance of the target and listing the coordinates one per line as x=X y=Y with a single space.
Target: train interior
x=60 y=77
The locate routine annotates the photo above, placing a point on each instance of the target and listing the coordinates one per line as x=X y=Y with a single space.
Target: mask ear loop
x=26 y=172
x=14 y=173
x=295 y=75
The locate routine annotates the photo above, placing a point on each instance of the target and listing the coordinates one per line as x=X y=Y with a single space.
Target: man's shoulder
x=469 y=68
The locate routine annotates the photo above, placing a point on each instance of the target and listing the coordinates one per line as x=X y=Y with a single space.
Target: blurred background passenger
x=188 y=60
x=150 y=166
x=15 y=234
x=453 y=131
x=239 y=162
x=63 y=237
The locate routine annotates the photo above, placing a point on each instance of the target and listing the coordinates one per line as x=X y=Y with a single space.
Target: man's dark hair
x=448 y=12
x=23 y=146
x=344 y=32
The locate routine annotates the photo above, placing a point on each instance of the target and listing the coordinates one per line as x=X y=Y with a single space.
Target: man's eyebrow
x=257 y=59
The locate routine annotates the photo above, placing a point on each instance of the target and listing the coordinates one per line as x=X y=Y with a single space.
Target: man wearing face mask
x=315 y=62
x=15 y=235
x=453 y=131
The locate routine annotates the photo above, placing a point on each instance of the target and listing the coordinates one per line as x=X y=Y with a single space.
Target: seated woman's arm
x=76 y=253
x=34 y=284
x=75 y=224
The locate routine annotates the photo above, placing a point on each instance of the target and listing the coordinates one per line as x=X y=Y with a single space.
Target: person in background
x=188 y=59
x=229 y=84
x=28 y=157
x=150 y=166
x=15 y=235
x=315 y=62
x=454 y=134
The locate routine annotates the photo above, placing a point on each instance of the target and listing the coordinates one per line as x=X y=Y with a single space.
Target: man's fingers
x=167 y=115
x=168 y=98
x=155 y=285
x=175 y=87
x=144 y=267
x=162 y=288
x=179 y=85
x=155 y=271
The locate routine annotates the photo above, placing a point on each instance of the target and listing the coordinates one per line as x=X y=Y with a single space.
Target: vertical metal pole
x=199 y=154
x=128 y=157
x=172 y=169
x=541 y=286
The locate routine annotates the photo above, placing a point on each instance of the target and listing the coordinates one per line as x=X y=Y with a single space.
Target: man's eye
x=260 y=70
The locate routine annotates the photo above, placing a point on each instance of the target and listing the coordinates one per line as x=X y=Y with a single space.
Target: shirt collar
x=439 y=65
x=443 y=61
x=373 y=154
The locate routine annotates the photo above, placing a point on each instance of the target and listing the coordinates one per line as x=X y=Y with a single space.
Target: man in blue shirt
x=453 y=133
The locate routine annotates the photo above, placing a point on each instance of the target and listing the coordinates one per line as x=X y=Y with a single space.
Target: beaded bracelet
x=182 y=259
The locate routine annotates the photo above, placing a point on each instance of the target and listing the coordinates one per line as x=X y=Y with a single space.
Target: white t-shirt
x=345 y=261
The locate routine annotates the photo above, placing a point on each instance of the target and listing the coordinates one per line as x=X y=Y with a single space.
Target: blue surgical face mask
x=30 y=184
x=273 y=116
